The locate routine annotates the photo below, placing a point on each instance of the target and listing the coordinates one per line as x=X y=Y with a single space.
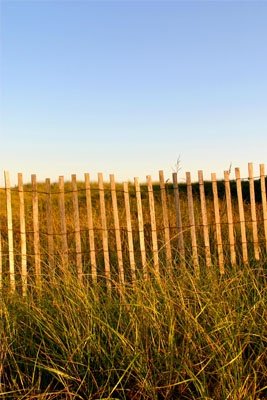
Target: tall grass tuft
x=178 y=337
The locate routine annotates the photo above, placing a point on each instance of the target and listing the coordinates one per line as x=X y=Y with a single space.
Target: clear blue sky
x=126 y=87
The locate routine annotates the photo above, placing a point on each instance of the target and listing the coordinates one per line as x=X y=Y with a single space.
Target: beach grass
x=178 y=337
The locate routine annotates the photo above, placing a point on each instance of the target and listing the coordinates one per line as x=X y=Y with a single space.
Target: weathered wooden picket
x=118 y=232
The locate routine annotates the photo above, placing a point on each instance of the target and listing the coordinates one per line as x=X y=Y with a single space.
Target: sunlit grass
x=181 y=337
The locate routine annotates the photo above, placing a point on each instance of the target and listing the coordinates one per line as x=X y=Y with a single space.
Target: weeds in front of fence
x=180 y=337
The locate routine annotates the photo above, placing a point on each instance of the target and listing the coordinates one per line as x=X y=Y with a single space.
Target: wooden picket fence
x=117 y=232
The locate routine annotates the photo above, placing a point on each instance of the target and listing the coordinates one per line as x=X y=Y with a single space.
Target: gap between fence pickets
x=36 y=233
x=141 y=226
x=23 y=240
x=230 y=218
x=117 y=229
x=63 y=226
x=10 y=232
x=263 y=199
x=90 y=224
x=104 y=230
x=155 y=249
x=153 y=222
x=204 y=218
x=192 y=222
x=166 y=224
x=1 y=262
x=217 y=223
x=241 y=216
x=179 y=223
x=129 y=231
x=253 y=212
x=49 y=226
x=77 y=228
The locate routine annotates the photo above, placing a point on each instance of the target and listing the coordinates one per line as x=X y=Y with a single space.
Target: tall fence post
x=23 y=243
